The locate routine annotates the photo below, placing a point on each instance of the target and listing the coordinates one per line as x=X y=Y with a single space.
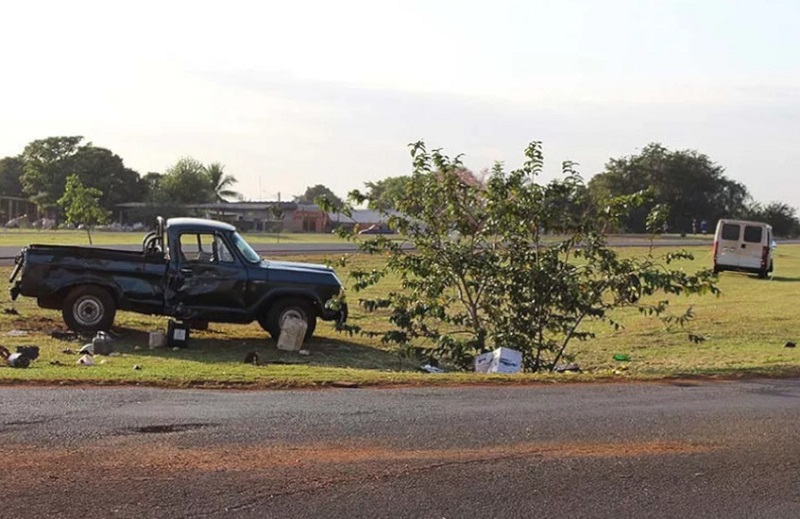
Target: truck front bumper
x=336 y=313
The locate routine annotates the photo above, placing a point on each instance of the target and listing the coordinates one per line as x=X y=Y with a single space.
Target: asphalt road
x=720 y=449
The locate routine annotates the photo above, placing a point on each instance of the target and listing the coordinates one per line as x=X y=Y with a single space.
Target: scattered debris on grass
x=85 y=360
x=137 y=367
x=789 y=344
x=501 y=360
x=621 y=357
x=10 y=311
x=17 y=333
x=252 y=358
x=568 y=368
x=431 y=369
x=64 y=335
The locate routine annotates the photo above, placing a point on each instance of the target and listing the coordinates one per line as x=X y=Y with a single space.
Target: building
x=263 y=216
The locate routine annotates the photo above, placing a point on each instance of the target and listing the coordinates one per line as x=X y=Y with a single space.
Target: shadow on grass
x=785 y=279
x=213 y=346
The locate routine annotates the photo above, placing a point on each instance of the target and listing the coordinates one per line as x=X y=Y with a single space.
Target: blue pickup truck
x=190 y=269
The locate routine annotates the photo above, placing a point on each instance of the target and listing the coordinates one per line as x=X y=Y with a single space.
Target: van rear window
x=752 y=234
x=730 y=231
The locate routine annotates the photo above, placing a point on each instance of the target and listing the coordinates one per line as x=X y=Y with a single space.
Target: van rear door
x=728 y=244
x=752 y=246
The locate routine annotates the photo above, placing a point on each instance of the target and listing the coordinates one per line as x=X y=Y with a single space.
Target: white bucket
x=293 y=332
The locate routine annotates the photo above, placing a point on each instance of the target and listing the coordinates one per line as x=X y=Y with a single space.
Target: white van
x=743 y=246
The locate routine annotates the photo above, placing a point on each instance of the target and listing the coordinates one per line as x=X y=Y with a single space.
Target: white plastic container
x=293 y=332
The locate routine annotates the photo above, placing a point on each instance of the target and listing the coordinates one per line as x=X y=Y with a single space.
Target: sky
x=296 y=93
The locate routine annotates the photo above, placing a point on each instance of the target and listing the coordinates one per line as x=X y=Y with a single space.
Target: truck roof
x=199 y=223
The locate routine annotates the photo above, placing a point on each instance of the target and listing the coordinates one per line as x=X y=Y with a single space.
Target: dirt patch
x=120 y=454
x=36 y=324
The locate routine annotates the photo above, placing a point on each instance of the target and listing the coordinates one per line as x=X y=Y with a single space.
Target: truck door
x=207 y=281
x=752 y=247
x=728 y=244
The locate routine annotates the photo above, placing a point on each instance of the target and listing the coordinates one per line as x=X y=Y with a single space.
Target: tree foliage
x=220 y=183
x=313 y=193
x=11 y=169
x=189 y=181
x=384 y=194
x=185 y=182
x=688 y=182
x=482 y=273
x=781 y=216
x=49 y=162
x=81 y=204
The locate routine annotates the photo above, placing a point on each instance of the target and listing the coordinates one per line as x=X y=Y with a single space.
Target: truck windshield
x=245 y=248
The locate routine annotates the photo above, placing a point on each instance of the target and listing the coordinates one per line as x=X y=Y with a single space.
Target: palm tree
x=220 y=182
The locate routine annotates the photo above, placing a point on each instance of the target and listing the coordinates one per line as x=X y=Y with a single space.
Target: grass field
x=746 y=329
x=17 y=237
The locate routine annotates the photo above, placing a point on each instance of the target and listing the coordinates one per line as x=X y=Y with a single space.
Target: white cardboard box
x=501 y=360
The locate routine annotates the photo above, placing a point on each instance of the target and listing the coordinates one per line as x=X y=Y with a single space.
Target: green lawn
x=17 y=237
x=746 y=329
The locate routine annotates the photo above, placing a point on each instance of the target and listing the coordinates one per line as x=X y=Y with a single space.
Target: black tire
x=291 y=306
x=89 y=308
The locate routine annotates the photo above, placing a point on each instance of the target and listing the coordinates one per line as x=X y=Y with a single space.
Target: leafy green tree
x=688 y=182
x=220 y=182
x=781 y=216
x=185 y=182
x=48 y=162
x=81 y=205
x=385 y=193
x=481 y=275
x=313 y=193
x=10 y=174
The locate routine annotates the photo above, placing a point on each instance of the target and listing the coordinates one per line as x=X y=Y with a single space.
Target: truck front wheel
x=283 y=309
x=89 y=308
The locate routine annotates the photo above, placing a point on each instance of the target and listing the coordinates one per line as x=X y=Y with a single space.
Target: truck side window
x=204 y=248
x=222 y=251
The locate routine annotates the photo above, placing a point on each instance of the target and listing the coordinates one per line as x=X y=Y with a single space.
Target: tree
x=687 y=181
x=220 y=182
x=48 y=162
x=480 y=274
x=384 y=194
x=81 y=205
x=185 y=182
x=779 y=215
x=313 y=193
x=10 y=174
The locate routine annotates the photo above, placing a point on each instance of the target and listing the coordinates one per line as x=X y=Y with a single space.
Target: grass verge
x=745 y=329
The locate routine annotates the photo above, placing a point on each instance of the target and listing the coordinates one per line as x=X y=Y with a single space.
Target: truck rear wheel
x=89 y=308
x=283 y=309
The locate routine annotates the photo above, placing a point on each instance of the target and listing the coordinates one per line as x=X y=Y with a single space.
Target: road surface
x=686 y=449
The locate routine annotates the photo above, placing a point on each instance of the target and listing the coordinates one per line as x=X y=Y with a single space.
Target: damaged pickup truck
x=190 y=269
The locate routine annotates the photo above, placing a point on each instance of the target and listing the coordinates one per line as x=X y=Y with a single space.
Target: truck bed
x=136 y=279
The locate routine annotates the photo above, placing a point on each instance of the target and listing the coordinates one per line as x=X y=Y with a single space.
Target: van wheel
x=89 y=308
x=283 y=309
